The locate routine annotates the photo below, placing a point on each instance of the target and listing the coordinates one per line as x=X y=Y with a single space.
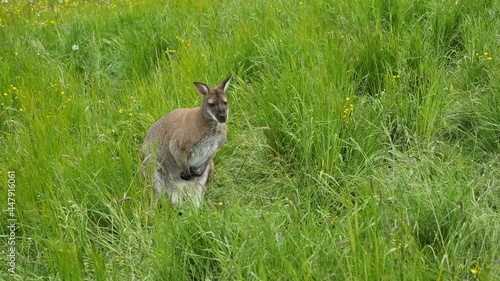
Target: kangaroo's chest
x=205 y=149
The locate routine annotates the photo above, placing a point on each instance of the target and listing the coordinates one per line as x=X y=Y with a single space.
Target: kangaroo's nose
x=222 y=116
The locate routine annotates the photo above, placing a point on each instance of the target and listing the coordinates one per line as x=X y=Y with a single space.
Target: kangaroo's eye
x=211 y=104
x=225 y=103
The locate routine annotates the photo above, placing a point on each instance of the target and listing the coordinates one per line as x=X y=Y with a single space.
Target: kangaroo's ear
x=201 y=88
x=224 y=84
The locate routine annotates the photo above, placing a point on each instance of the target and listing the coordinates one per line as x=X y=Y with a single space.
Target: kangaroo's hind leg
x=210 y=168
x=159 y=187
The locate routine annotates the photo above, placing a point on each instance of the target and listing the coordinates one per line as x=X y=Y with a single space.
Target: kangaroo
x=182 y=144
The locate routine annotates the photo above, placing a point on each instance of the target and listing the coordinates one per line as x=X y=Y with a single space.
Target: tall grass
x=363 y=139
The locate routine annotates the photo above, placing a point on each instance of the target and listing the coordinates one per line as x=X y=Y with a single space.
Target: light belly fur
x=204 y=150
x=182 y=191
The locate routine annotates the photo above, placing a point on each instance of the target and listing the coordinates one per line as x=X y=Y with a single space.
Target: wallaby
x=181 y=145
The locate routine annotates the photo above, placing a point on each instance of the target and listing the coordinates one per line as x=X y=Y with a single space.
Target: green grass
x=363 y=139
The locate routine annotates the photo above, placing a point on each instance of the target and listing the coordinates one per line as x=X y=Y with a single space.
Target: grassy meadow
x=363 y=142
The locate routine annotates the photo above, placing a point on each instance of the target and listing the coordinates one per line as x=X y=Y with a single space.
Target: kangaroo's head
x=214 y=103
